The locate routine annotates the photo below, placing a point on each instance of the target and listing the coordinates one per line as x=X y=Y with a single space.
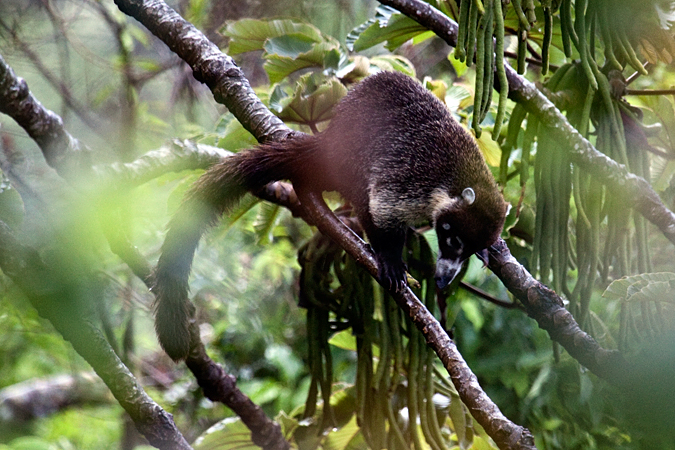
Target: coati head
x=465 y=225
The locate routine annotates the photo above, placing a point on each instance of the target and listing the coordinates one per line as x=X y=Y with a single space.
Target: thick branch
x=546 y=307
x=209 y=65
x=231 y=88
x=60 y=149
x=505 y=433
x=34 y=398
x=635 y=191
x=542 y=304
x=56 y=299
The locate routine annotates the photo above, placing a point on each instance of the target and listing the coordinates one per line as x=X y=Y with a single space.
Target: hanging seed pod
x=501 y=71
x=546 y=44
x=460 y=50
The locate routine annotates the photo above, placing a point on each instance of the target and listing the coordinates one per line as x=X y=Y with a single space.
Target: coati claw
x=392 y=276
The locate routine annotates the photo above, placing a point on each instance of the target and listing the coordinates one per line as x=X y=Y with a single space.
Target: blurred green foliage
x=244 y=279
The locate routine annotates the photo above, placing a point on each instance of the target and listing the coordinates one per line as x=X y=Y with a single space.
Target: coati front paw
x=392 y=275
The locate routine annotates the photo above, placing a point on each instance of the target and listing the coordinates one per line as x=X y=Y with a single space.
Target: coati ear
x=469 y=196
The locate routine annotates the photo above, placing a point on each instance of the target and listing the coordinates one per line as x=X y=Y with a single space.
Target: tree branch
x=57 y=300
x=231 y=88
x=60 y=149
x=209 y=66
x=635 y=191
x=505 y=433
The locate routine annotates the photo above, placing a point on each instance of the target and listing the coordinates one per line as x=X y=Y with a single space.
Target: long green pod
x=463 y=22
x=474 y=16
x=529 y=12
x=528 y=142
x=552 y=83
x=594 y=207
x=501 y=71
x=414 y=360
x=580 y=27
x=522 y=49
x=632 y=56
x=546 y=44
x=488 y=72
x=422 y=400
x=538 y=169
x=566 y=28
x=522 y=19
x=591 y=23
x=618 y=44
x=480 y=73
x=393 y=317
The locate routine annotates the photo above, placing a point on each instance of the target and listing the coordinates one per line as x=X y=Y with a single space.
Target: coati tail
x=213 y=194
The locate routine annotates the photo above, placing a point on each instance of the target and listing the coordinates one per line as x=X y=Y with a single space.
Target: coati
x=392 y=149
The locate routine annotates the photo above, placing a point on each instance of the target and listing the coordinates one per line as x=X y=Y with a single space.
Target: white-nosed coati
x=392 y=149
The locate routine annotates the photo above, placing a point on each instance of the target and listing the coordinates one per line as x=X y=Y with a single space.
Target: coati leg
x=388 y=247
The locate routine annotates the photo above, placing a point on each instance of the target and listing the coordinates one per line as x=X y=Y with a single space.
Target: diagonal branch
x=61 y=151
x=541 y=303
x=230 y=88
x=505 y=433
x=56 y=300
x=635 y=191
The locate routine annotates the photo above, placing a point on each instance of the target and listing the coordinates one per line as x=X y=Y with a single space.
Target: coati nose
x=446 y=271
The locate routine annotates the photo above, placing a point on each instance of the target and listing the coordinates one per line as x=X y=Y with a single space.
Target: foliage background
x=133 y=96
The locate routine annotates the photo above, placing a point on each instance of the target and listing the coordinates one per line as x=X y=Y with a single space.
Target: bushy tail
x=217 y=191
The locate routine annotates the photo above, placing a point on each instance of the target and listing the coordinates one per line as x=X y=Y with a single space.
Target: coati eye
x=446 y=226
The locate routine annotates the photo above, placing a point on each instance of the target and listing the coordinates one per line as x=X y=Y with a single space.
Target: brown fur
x=392 y=149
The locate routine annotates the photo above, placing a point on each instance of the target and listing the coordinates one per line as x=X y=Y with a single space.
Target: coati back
x=392 y=149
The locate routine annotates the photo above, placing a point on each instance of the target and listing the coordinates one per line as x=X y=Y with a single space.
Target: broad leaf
x=394 y=62
x=279 y=66
x=312 y=101
x=228 y=434
x=251 y=34
x=267 y=219
x=342 y=438
x=644 y=287
x=397 y=30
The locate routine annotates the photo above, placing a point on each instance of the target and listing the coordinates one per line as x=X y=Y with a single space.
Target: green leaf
x=289 y=45
x=244 y=206
x=394 y=62
x=345 y=339
x=490 y=149
x=311 y=103
x=664 y=176
x=228 y=434
x=382 y=15
x=320 y=55
x=644 y=287
x=398 y=30
x=387 y=25
x=340 y=439
x=459 y=66
x=461 y=422
x=251 y=34
x=268 y=216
